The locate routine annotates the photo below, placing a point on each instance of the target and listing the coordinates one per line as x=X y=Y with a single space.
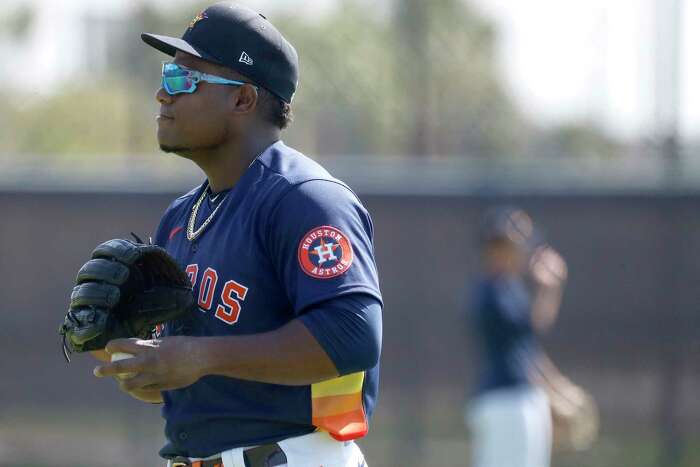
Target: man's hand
x=152 y=396
x=548 y=268
x=101 y=355
x=549 y=273
x=158 y=364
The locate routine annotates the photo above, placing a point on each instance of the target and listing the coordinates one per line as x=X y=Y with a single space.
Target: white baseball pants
x=510 y=427
x=317 y=449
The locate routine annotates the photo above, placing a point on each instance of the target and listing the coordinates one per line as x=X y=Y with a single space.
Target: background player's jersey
x=501 y=312
x=287 y=236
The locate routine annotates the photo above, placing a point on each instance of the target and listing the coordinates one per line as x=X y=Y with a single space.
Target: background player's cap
x=512 y=224
x=241 y=39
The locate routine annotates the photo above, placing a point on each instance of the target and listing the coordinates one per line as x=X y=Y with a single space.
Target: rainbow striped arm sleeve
x=337 y=407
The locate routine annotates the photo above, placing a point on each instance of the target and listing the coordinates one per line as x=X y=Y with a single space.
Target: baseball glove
x=125 y=290
x=575 y=418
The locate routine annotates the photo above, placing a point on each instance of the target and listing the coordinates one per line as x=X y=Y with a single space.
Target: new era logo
x=246 y=59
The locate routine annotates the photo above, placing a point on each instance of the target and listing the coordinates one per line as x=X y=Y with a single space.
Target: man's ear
x=245 y=100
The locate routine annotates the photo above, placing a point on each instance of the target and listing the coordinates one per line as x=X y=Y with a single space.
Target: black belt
x=267 y=455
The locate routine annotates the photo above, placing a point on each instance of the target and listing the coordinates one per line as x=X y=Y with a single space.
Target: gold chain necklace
x=191 y=232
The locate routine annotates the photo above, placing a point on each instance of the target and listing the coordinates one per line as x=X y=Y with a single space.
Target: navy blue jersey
x=501 y=314
x=287 y=237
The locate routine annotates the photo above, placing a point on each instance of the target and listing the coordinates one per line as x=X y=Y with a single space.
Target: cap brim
x=169 y=45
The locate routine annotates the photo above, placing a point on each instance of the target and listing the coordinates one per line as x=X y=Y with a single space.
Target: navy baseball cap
x=512 y=224
x=241 y=39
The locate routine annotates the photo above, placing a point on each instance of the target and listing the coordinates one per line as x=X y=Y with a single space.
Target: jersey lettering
x=229 y=311
x=158 y=331
x=233 y=293
x=207 y=288
x=192 y=270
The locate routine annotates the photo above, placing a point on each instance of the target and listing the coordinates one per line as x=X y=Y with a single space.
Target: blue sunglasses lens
x=177 y=80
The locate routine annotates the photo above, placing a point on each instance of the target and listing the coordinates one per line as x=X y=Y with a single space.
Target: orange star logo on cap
x=197 y=19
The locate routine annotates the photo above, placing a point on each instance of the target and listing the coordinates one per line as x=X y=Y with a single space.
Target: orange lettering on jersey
x=229 y=308
x=232 y=293
x=192 y=270
x=207 y=288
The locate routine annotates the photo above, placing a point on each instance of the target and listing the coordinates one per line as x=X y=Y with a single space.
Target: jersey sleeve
x=319 y=239
x=349 y=328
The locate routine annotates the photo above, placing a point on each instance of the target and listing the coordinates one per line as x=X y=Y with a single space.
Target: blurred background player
x=509 y=415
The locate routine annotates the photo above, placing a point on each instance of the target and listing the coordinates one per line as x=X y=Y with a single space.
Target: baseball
x=116 y=356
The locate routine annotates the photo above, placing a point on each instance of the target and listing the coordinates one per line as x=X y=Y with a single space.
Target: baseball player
x=509 y=415
x=279 y=363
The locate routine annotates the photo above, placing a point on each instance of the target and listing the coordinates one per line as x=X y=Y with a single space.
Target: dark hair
x=274 y=110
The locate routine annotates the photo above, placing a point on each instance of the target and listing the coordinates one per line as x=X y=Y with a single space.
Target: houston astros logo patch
x=325 y=252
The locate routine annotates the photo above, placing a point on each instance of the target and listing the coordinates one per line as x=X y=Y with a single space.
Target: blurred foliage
x=422 y=83
x=445 y=66
x=98 y=119
x=584 y=139
x=421 y=80
x=347 y=101
x=17 y=22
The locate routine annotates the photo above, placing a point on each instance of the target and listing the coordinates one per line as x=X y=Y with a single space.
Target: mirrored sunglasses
x=177 y=79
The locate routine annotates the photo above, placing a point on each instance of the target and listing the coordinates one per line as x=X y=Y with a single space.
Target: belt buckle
x=267 y=455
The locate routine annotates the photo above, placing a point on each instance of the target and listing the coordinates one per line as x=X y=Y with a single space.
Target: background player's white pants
x=510 y=427
x=312 y=450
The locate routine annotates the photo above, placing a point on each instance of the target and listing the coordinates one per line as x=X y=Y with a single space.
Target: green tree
x=17 y=22
x=447 y=57
x=76 y=122
x=421 y=80
x=346 y=101
x=422 y=83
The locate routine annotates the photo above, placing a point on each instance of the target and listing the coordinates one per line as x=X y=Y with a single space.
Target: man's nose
x=163 y=97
